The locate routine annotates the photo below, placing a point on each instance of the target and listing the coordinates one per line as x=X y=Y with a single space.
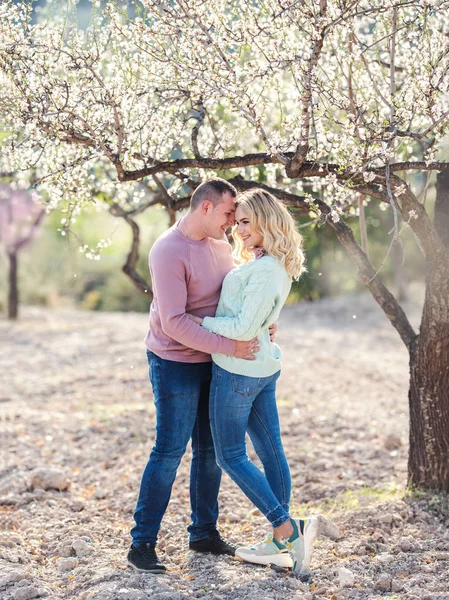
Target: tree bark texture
x=428 y=465
x=13 y=296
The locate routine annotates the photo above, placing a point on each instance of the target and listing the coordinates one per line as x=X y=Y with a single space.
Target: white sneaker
x=268 y=552
x=301 y=542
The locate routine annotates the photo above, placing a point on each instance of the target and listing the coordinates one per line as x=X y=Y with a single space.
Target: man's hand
x=197 y=320
x=272 y=329
x=247 y=350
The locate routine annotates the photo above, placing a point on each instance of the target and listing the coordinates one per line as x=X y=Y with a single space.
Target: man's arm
x=170 y=286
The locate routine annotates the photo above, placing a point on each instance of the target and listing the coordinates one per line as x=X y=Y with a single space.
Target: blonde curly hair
x=271 y=219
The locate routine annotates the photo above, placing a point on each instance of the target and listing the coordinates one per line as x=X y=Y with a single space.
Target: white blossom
x=369 y=176
x=85 y=112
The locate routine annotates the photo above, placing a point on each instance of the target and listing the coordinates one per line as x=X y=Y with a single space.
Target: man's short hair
x=212 y=190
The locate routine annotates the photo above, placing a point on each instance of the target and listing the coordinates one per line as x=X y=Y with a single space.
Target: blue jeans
x=240 y=404
x=181 y=396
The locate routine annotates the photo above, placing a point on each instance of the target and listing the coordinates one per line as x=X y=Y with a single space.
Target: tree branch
x=417 y=166
x=293 y=200
x=370 y=279
x=233 y=162
x=306 y=101
x=129 y=268
x=362 y=221
x=34 y=225
x=308 y=168
x=416 y=216
x=367 y=274
x=199 y=121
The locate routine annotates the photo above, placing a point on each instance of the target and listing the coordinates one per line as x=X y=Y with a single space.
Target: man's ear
x=206 y=206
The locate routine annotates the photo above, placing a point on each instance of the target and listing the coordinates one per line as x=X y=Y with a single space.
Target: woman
x=243 y=393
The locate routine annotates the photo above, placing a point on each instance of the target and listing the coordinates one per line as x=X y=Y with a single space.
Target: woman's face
x=250 y=238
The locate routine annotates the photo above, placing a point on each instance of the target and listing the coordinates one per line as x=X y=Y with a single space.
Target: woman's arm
x=262 y=292
x=272 y=328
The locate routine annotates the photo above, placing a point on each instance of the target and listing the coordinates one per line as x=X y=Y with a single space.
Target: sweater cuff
x=207 y=323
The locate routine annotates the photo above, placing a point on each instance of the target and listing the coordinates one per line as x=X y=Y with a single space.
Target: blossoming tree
x=329 y=104
x=20 y=216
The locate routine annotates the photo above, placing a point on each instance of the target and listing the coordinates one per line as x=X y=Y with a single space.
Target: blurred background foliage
x=54 y=273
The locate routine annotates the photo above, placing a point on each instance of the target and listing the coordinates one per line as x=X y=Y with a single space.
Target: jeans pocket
x=247 y=386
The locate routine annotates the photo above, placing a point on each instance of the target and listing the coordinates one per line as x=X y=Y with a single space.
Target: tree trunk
x=13 y=297
x=429 y=388
x=428 y=465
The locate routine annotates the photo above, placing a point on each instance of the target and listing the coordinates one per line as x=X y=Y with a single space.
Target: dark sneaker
x=214 y=544
x=144 y=559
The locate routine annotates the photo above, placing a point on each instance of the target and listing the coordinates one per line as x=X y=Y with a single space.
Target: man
x=188 y=264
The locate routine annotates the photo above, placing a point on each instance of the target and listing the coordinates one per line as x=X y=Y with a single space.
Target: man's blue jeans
x=240 y=404
x=181 y=396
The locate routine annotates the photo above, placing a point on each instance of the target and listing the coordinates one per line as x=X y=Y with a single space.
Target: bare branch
x=362 y=220
x=233 y=162
x=416 y=216
x=199 y=121
x=391 y=142
x=411 y=210
x=371 y=280
x=417 y=166
x=129 y=268
x=143 y=207
x=422 y=134
x=27 y=238
x=289 y=199
x=165 y=197
x=307 y=104
x=366 y=271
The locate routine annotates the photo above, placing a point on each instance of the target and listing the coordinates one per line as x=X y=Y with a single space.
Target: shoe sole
x=216 y=553
x=316 y=525
x=281 y=560
x=155 y=571
x=310 y=535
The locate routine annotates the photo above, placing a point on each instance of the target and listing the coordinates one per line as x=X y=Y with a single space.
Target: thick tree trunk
x=429 y=388
x=13 y=297
x=429 y=367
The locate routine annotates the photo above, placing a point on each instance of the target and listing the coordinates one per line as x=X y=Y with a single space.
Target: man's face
x=220 y=217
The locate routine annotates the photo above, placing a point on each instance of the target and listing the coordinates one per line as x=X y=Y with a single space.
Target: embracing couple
x=205 y=307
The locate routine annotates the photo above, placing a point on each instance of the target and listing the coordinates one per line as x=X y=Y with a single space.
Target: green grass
x=437 y=502
x=351 y=500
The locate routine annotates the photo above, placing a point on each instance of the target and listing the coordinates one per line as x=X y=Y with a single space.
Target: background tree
x=352 y=94
x=20 y=216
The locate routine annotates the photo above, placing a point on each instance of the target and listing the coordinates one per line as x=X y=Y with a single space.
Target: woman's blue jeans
x=240 y=404
x=181 y=396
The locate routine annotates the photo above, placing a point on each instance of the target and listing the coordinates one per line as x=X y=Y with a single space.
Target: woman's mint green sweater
x=251 y=299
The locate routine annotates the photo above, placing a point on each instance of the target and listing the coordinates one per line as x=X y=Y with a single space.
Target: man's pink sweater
x=186 y=276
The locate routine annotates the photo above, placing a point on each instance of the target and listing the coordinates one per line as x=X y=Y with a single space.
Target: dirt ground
x=75 y=397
